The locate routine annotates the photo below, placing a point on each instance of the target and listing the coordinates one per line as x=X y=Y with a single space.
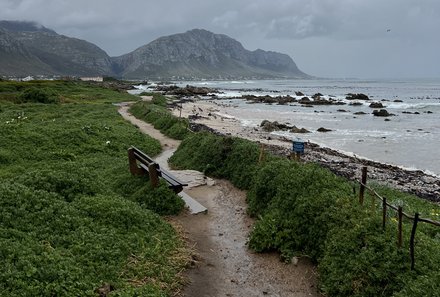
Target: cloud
x=353 y=28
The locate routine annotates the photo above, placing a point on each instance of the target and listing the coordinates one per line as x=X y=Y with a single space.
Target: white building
x=94 y=78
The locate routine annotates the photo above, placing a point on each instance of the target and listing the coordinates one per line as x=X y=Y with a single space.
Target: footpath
x=223 y=265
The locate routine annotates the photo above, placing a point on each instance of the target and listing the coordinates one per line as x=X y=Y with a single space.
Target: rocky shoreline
x=415 y=182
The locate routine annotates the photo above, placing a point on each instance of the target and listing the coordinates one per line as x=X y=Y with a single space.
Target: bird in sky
x=388 y=30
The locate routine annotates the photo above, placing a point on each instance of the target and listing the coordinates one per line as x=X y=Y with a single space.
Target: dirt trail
x=225 y=266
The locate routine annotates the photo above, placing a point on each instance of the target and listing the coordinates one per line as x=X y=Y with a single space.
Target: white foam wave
x=396 y=105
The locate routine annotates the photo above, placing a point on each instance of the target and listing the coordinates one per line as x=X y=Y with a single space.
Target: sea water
x=410 y=138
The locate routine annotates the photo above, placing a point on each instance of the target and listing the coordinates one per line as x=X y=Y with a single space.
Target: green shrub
x=51 y=247
x=303 y=209
x=67 y=225
x=78 y=182
x=156 y=113
x=361 y=260
x=161 y=200
x=37 y=95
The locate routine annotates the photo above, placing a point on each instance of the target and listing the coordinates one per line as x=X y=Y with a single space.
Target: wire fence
x=400 y=215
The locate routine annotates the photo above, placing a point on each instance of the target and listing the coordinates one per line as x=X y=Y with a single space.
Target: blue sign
x=298 y=146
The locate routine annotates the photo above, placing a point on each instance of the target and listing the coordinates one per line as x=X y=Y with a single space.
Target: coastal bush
x=308 y=200
x=304 y=209
x=361 y=260
x=162 y=200
x=51 y=247
x=37 y=95
x=78 y=182
x=156 y=113
x=224 y=157
x=67 y=225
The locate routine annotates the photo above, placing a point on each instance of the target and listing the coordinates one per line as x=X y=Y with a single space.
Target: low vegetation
x=156 y=113
x=73 y=221
x=305 y=210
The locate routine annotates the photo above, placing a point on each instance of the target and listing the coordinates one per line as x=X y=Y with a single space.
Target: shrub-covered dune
x=73 y=222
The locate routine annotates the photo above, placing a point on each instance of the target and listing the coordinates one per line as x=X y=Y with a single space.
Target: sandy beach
x=215 y=115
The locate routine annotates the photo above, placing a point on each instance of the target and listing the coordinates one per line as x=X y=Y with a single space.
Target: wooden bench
x=141 y=164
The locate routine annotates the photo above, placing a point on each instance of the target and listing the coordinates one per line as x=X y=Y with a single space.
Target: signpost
x=297 y=148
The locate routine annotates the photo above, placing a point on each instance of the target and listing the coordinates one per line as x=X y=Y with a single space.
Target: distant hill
x=27 y=48
x=202 y=54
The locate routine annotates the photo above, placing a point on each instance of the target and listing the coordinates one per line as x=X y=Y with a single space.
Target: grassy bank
x=73 y=221
x=305 y=210
x=156 y=113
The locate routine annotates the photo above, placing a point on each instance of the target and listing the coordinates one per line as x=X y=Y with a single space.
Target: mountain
x=16 y=59
x=27 y=48
x=202 y=54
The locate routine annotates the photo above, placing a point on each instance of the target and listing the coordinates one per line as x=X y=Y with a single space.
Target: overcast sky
x=327 y=38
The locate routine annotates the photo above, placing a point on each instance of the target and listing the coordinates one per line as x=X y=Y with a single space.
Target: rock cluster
x=358 y=96
x=269 y=126
x=382 y=113
x=186 y=91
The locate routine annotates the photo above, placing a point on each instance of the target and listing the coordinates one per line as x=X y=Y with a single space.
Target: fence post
x=134 y=168
x=363 y=183
x=384 y=212
x=154 y=175
x=400 y=218
x=413 y=235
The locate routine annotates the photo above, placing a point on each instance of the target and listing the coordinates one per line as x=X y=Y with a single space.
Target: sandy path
x=225 y=266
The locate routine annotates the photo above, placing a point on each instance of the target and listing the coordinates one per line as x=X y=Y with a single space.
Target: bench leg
x=134 y=168
x=154 y=175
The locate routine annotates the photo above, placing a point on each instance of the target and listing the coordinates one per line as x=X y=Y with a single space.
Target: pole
x=413 y=235
x=400 y=218
x=363 y=183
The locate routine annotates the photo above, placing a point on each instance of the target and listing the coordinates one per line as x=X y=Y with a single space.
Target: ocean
x=409 y=139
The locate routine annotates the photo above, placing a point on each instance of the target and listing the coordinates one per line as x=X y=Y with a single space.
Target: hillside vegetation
x=73 y=221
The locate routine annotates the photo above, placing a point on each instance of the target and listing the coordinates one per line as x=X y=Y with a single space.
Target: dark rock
x=269 y=126
x=382 y=113
x=342 y=110
x=376 y=105
x=398 y=100
x=299 y=93
x=322 y=129
x=317 y=96
x=360 y=113
x=304 y=100
x=359 y=96
x=295 y=129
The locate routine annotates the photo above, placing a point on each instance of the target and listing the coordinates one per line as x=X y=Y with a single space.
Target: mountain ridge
x=195 y=54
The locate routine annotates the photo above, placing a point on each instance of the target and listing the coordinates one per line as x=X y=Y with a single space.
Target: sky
x=326 y=38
